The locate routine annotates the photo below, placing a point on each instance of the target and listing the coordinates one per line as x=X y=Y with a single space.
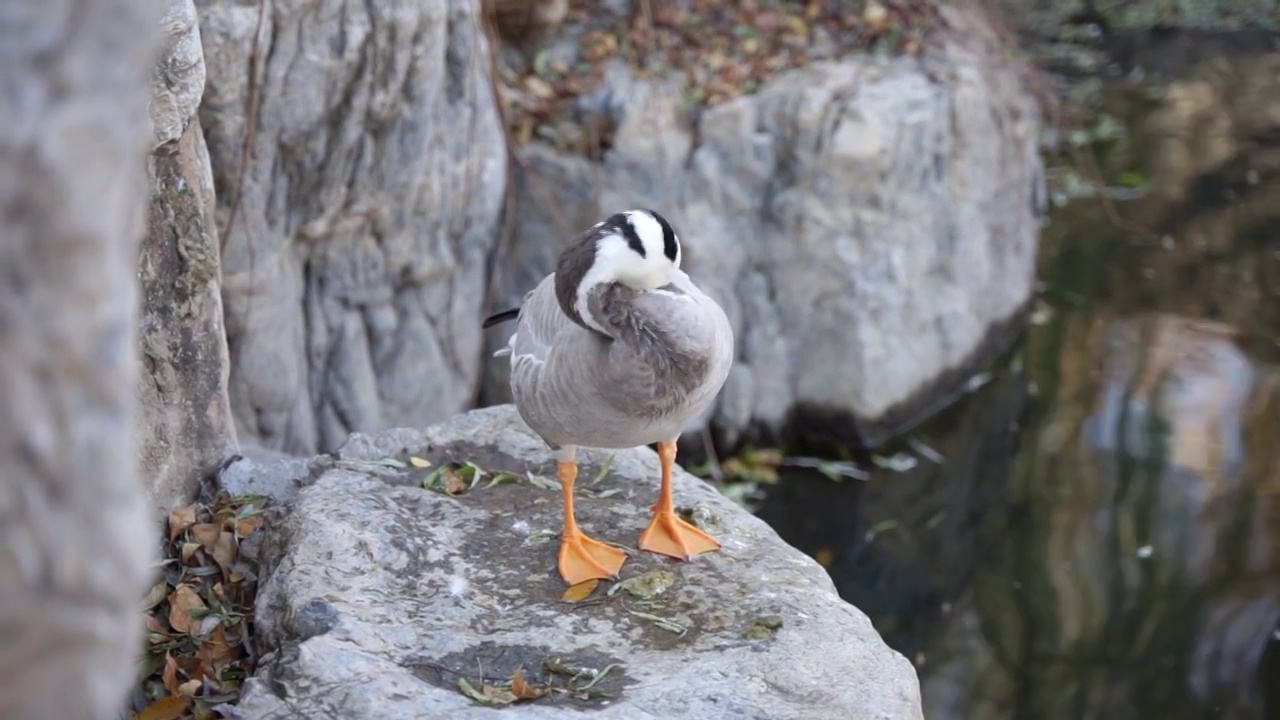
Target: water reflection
x=1100 y=537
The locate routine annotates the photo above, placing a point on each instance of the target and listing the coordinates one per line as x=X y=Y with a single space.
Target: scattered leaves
x=579 y=592
x=199 y=612
x=418 y=462
x=542 y=481
x=715 y=51
x=180 y=519
x=183 y=604
x=168 y=707
x=454 y=478
x=579 y=684
x=522 y=689
x=487 y=694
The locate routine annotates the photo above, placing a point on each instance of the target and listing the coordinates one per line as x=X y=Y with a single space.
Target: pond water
x=1094 y=532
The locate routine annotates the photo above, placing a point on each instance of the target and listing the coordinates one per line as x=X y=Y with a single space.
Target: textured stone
x=869 y=224
x=356 y=239
x=378 y=595
x=186 y=429
x=75 y=541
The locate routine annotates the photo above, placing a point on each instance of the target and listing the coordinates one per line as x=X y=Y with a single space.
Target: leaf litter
x=714 y=51
x=561 y=679
x=199 y=613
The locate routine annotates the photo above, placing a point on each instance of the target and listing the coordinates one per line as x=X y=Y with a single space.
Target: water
x=1095 y=532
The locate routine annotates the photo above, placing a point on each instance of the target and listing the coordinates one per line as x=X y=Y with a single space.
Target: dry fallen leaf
x=188 y=549
x=181 y=602
x=155 y=624
x=180 y=519
x=190 y=688
x=579 y=592
x=418 y=462
x=452 y=482
x=487 y=694
x=206 y=534
x=522 y=689
x=215 y=650
x=246 y=526
x=166 y=708
x=156 y=595
x=224 y=550
x=170 y=675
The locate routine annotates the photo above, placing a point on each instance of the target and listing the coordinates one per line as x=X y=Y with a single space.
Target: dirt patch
x=581 y=680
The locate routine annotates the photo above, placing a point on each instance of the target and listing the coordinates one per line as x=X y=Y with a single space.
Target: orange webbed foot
x=583 y=558
x=668 y=534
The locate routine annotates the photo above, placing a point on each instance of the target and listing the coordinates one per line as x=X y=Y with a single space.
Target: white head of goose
x=615 y=349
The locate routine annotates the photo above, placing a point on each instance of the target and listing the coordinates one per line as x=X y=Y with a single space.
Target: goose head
x=636 y=248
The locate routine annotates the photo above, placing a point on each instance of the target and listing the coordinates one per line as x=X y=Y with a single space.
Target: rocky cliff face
x=359 y=171
x=186 y=430
x=870 y=224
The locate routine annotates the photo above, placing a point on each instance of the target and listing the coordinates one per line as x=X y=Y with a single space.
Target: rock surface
x=380 y=595
x=356 y=239
x=186 y=430
x=74 y=534
x=870 y=225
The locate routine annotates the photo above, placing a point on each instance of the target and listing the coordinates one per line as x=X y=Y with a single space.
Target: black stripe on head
x=669 y=246
x=623 y=225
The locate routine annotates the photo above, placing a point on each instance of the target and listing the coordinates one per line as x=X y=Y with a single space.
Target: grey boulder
x=870 y=225
x=378 y=596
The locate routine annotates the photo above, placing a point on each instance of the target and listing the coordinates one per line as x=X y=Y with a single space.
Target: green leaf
x=543 y=482
x=604 y=470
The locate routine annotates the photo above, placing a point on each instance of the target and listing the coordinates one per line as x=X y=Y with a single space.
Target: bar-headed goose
x=615 y=349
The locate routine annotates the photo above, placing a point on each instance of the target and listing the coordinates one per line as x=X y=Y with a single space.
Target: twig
x=250 y=128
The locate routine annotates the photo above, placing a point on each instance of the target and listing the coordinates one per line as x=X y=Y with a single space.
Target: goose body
x=577 y=387
x=618 y=348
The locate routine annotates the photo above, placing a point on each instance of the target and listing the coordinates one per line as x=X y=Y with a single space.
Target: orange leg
x=667 y=533
x=582 y=558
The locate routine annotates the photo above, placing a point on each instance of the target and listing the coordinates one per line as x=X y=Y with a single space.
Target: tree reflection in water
x=1102 y=537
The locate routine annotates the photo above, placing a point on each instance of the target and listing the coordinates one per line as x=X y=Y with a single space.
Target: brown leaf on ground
x=579 y=592
x=181 y=602
x=190 y=688
x=165 y=708
x=180 y=519
x=224 y=550
x=155 y=596
x=215 y=651
x=155 y=624
x=188 y=549
x=522 y=689
x=206 y=534
x=453 y=483
x=246 y=526
x=169 y=676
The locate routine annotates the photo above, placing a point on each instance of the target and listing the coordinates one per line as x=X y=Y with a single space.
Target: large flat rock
x=379 y=595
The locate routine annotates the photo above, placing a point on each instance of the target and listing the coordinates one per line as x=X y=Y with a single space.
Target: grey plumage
x=642 y=362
